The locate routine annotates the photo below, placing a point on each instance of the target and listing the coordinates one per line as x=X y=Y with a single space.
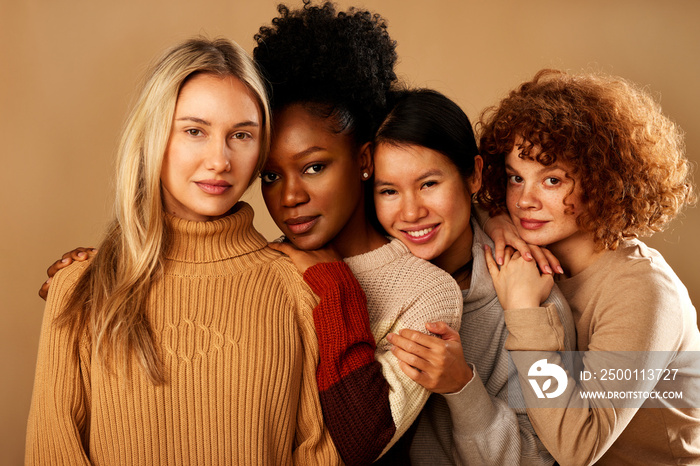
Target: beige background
x=69 y=70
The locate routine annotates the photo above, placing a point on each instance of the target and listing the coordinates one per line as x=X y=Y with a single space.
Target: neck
x=457 y=254
x=577 y=253
x=358 y=236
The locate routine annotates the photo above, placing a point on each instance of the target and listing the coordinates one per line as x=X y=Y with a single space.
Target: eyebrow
x=208 y=123
x=555 y=166
x=428 y=174
x=307 y=151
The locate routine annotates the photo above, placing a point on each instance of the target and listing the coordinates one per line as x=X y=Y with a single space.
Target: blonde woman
x=186 y=340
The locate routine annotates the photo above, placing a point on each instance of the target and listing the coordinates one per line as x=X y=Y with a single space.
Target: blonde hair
x=110 y=299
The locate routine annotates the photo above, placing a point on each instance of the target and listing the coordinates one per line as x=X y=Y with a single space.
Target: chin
x=305 y=243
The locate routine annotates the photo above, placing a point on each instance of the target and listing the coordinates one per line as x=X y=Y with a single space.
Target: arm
x=485 y=430
x=58 y=425
x=575 y=429
x=313 y=442
x=354 y=393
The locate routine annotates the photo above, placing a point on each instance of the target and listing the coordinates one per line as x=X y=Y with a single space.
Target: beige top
x=629 y=300
x=233 y=322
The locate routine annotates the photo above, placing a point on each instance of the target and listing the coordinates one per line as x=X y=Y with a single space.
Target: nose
x=293 y=192
x=219 y=157
x=412 y=209
x=528 y=198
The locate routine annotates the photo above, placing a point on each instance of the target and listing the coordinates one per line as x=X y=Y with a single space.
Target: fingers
x=499 y=245
x=445 y=331
x=490 y=262
x=522 y=247
x=409 y=352
x=80 y=254
x=44 y=290
x=546 y=260
x=58 y=265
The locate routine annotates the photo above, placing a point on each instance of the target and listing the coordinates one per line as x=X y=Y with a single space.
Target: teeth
x=419 y=233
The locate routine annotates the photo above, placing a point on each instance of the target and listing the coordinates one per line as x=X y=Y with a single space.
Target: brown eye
x=268 y=177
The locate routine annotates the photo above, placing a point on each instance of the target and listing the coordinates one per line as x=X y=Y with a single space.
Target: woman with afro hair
x=584 y=164
x=330 y=74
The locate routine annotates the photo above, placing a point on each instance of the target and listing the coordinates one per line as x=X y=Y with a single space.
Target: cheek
x=511 y=198
x=271 y=196
x=385 y=211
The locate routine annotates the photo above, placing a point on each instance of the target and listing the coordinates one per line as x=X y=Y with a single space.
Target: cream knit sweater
x=233 y=322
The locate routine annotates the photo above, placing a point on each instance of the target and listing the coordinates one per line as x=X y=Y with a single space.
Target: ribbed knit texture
x=369 y=403
x=232 y=321
x=632 y=303
x=476 y=425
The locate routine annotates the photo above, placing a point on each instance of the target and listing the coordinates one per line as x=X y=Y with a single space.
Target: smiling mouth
x=419 y=233
x=421 y=236
x=301 y=225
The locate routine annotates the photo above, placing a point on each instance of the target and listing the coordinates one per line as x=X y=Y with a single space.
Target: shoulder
x=65 y=281
x=427 y=291
x=635 y=268
x=291 y=281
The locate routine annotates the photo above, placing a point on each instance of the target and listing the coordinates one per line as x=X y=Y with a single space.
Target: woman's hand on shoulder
x=436 y=363
x=518 y=283
x=503 y=233
x=305 y=259
x=77 y=254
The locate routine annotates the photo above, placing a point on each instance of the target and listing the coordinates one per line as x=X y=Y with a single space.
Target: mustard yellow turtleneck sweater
x=232 y=320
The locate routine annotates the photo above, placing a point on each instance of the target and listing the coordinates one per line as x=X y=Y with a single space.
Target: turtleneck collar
x=199 y=242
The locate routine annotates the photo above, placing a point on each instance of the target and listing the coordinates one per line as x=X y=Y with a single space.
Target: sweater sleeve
x=58 y=425
x=354 y=394
x=636 y=325
x=440 y=301
x=485 y=428
x=313 y=442
x=373 y=401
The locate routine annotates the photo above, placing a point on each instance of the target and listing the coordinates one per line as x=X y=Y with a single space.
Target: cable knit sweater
x=369 y=403
x=232 y=321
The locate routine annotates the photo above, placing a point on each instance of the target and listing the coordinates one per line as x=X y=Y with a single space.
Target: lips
x=532 y=224
x=301 y=225
x=213 y=186
x=422 y=234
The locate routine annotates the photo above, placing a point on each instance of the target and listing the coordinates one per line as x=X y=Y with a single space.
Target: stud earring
x=365 y=175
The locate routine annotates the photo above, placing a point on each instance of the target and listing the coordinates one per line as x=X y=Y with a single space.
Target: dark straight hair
x=424 y=117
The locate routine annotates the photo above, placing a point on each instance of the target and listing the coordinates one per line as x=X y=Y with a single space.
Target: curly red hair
x=628 y=157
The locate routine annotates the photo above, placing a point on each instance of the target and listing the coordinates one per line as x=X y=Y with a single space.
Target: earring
x=365 y=175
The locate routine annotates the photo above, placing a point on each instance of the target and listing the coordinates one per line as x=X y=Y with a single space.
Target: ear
x=474 y=181
x=366 y=161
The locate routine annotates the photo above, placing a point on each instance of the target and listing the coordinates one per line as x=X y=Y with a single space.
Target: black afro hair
x=340 y=61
